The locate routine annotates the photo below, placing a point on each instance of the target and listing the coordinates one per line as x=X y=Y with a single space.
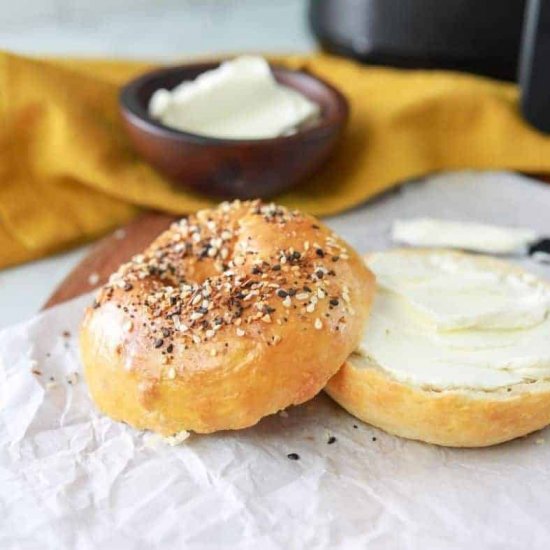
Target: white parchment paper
x=72 y=479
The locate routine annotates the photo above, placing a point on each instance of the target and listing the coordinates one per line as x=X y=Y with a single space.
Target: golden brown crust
x=230 y=315
x=453 y=418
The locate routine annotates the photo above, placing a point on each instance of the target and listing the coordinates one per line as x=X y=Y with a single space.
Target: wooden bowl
x=232 y=168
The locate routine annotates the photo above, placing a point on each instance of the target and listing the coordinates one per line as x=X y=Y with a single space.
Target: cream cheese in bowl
x=240 y=99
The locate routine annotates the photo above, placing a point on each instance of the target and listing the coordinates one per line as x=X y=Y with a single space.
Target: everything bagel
x=230 y=315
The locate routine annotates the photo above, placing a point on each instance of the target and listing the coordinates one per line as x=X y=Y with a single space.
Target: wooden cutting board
x=108 y=254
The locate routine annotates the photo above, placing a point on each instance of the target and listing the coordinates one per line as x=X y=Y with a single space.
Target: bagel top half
x=230 y=315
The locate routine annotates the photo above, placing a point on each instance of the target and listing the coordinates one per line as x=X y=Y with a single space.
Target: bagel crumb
x=177 y=438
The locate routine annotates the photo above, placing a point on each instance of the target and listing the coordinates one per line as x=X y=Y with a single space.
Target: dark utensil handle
x=534 y=75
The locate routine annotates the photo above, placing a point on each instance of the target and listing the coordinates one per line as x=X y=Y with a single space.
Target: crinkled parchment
x=72 y=479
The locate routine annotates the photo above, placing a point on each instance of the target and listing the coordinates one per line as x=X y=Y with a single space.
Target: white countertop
x=166 y=30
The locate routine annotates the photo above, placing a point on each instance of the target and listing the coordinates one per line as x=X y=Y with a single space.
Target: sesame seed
x=318 y=324
x=158 y=343
x=334 y=302
x=171 y=373
x=240 y=332
x=302 y=296
x=293 y=456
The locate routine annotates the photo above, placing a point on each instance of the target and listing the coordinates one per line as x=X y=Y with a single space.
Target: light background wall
x=153 y=28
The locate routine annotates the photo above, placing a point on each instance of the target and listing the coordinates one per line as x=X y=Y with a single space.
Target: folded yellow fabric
x=68 y=173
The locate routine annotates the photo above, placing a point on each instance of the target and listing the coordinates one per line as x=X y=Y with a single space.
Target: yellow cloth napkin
x=68 y=173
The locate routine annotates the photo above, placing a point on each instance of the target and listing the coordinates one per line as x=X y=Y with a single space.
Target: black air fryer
x=496 y=38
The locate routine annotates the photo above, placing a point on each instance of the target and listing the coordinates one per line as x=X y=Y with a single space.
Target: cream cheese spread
x=238 y=100
x=491 y=239
x=446 y=320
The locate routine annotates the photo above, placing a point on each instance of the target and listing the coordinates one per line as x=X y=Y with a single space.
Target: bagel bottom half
x=454 y=416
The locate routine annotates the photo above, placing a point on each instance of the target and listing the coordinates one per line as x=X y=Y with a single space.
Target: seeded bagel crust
x=230 y=315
